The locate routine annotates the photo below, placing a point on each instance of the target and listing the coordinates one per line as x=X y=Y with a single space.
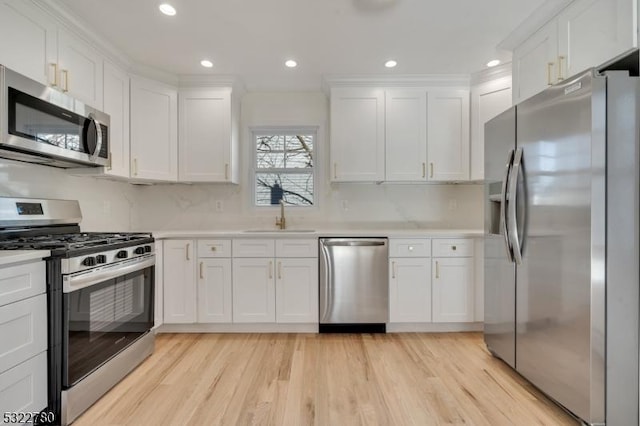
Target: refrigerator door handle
x=503 y=206
x=512 y=224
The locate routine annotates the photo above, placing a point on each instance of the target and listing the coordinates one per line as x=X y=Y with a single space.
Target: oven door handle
x=79 y=281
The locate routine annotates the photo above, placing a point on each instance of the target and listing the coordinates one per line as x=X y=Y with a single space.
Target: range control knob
x=139 y=250
x=147 y=249
x=89 y=261
x=101 y=258
x=122 y=254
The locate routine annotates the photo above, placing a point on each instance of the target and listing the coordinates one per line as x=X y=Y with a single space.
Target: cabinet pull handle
x=135 y=167
x=424 y=170
x=187 y=251
x=437 y=269
x=560 y=59
x=335 y=170
x=53 y=66
x=226 y=171
x=109 y=161
x=431 y=170
x=279 y=270
x=201 y=271
x=270 y=269
x=393 y=270
x=213 y=248
x=453 y=248
x=549 y=66
x=65 y=80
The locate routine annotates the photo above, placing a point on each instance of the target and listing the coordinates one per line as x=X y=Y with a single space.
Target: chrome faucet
x=281 y=221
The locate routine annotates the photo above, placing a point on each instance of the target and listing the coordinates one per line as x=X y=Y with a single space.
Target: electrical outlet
x=453 y=204
x=219 y=206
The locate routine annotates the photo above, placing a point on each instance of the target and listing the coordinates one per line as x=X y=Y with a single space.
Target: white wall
x=105 y=205
x=165 y=207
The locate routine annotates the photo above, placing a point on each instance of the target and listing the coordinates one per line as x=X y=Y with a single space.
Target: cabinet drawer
x=297 y=248
x=23 y=330
x=409 y=247
x=452 y=247
x=24 y=387
x=21 y=281
x=254 y=248
x=214 y=248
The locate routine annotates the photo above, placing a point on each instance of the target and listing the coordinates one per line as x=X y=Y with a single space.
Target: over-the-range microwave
x=40 y=124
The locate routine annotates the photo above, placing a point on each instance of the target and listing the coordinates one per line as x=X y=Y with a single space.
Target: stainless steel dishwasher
x=354 y=284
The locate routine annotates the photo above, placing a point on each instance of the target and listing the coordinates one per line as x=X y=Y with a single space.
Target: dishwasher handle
x=354 y=243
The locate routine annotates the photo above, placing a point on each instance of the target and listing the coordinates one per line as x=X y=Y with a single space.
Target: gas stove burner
x=72 y=241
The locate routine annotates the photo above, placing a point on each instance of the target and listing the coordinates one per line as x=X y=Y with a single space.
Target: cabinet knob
x=213 y=248
x=453 y=248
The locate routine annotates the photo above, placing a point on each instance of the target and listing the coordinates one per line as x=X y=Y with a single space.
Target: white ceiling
x=252 y=38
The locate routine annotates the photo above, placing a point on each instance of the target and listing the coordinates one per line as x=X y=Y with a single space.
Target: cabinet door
x=448 y=135
x=214 y=290
x=80 y=69
x=205 y=136
x=154 y=134
x=116 y=104
x=593 y=31
x=254 y=294
x=410 y=290
x=453 y=299
x=357 y=135
x=179 y=282
x=534 y=63
x=406 y=135
x=23 y=330
x=487 y=100
x=27 y=40
x=297 y=290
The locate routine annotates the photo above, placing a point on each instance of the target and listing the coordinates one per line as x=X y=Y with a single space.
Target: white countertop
x=292 y=233
x=8 y=257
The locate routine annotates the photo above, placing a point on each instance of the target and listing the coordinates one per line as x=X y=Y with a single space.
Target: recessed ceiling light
x=167 y=9
x=390 y=63
x=493 y=63
x=206 y=63
x=291 y=63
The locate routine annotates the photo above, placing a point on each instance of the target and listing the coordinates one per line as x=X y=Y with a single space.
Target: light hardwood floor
x=310 y=379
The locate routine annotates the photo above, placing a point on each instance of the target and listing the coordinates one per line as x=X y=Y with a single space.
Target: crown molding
x=212 y=80
x=490 y=74
x=396 y=81
x=533 y=23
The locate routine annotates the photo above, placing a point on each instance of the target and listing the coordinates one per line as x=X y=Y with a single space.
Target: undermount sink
x=280 y=230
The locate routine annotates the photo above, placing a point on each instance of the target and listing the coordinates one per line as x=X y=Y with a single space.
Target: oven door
x=104 y=311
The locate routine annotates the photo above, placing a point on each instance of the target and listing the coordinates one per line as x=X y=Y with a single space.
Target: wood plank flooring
x=323 y=379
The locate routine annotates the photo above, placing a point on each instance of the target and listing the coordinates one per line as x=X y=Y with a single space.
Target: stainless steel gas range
x=100 y=294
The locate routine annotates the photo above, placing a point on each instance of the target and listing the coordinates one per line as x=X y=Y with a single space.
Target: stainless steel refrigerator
x=562 y=243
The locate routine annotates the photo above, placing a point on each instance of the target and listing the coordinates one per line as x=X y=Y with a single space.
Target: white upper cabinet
x=534 y=63
x=406 y=135
x=208 y=138
x=593 y=31
x=27 y=40
x=585 y=34
x=357 y=135
x=80 y=69
x=448 y=135
x=154 y=133
x=116 y=104
x=488 y=99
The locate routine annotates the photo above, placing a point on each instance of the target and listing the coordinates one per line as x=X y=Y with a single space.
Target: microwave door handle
x=503 y=206
x=86 y=279
x=94 y=155
x=512 y=223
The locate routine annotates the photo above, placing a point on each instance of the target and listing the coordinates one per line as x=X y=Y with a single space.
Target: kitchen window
x=284 y=167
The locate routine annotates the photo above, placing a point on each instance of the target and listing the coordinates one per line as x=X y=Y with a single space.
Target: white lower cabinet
x=23 y=388
x=410 y=290
x=453 y=289
x=254 y=290
x=214 y=290
x=179 y=282
x=297 y=290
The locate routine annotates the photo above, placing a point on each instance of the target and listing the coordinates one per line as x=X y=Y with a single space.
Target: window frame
x=284 y=131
